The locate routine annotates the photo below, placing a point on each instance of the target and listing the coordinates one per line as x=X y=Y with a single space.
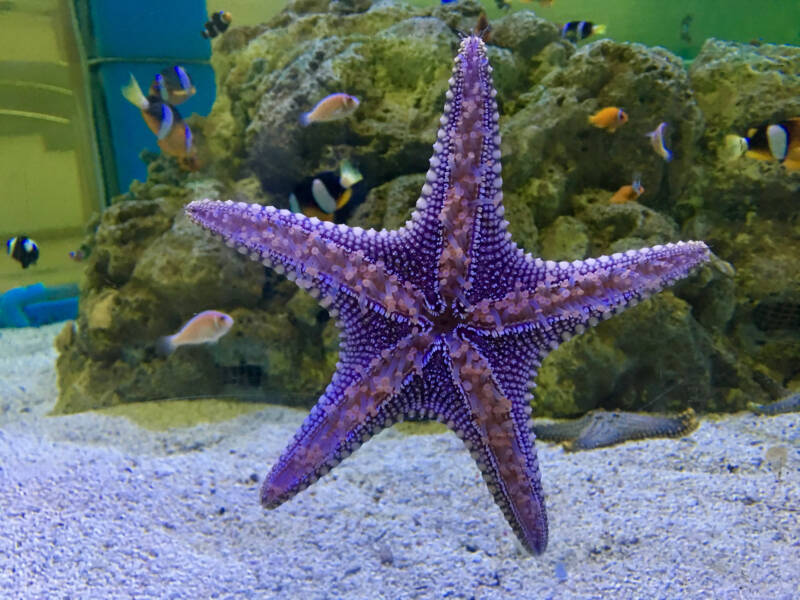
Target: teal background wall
x=140 y=38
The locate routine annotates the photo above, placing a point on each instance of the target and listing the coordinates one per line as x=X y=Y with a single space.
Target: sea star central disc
x=445 y=318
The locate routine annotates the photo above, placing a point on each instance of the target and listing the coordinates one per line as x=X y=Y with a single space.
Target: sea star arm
x=327 y=260
x=378 y=357
x=563 y=299
x=489 y=374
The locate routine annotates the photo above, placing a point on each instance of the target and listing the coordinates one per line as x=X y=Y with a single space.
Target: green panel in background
x=658 y=22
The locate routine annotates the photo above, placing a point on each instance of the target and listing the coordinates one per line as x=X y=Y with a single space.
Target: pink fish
x=330 y=108
x=204 y=328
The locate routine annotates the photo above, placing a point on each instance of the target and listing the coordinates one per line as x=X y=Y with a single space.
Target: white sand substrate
x=93 y=506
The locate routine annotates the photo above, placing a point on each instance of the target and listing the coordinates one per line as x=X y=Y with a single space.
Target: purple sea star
x=445 y=318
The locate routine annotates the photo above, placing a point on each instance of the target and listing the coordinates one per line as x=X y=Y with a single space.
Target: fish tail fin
x=164 y=346
x=349 y=175
x=305 y=121
x=734 y=146
x=133 y=94
x=599 y=29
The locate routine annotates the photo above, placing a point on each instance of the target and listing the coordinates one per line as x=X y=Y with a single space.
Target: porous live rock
x=148 y=273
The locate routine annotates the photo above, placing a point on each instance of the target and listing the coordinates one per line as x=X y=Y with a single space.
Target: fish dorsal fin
x=322 y=196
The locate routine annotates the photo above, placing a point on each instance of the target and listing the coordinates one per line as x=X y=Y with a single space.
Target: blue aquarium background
x=142 y=39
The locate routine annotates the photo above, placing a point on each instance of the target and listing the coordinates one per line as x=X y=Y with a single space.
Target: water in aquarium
x=374 y=299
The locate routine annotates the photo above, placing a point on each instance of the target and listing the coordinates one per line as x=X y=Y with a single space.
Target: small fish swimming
x=173 y=85
x=628 y=193
x=325 y=193
x=686 y=22
x=657 y=142
x=609 y=118
x=575 y=31
x=219 y=23
x=777 y=141
x=330 y=108
x=204 y=328
x=174 y=136
x=23 y=249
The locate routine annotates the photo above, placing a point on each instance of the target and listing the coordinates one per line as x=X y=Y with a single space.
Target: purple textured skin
x=445 y=318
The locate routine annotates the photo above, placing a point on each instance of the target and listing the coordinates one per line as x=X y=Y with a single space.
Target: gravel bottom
x=94 y=506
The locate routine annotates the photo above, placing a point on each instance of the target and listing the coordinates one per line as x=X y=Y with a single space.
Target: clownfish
x=219 y=23
x=609 y=118
x=628 y=193
x=657 y=142
x=173 y=85
x=204 y=328
x=174 y=136
x=330 y=108
x=777 y=141
x=325 y=193
x=23 y=249
x=575 y=31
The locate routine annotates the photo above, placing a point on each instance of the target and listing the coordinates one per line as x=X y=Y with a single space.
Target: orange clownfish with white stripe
x=776 y=141
x=174 y=136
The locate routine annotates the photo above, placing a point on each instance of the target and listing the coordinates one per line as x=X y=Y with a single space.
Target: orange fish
x=628 y=193
x=174 y=136
x=330 y=108
x=609 y=118
x=204 y=328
